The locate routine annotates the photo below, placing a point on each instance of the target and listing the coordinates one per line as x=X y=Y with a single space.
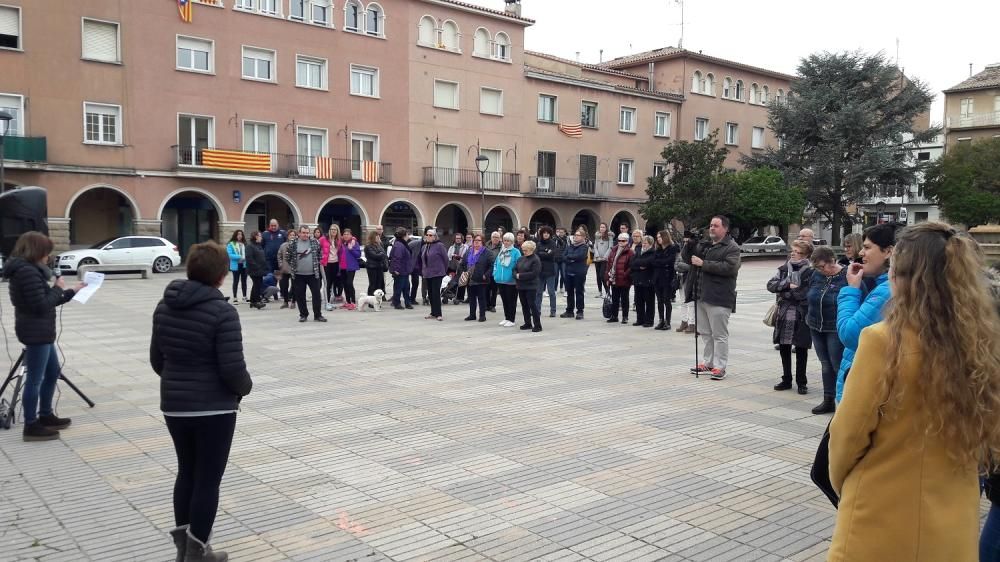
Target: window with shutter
x=758 y=138
x=10 y=27
x=194 y=54
x=445 y=94
x=491 y=101
x=100 y=41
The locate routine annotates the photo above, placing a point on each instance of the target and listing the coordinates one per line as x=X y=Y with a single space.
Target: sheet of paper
x=93 y=279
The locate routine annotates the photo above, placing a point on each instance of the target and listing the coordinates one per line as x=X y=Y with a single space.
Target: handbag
x=771 y=315
x=607 y=309
x=820 y=471
x=463 y=279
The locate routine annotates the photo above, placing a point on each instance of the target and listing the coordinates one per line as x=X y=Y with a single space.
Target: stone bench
x=144 y=270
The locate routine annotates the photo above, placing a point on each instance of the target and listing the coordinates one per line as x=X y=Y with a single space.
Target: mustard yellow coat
x=902 y=498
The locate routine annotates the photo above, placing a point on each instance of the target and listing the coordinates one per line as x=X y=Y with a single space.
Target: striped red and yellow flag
x=324 y=168
x=369 y=171
x=235 y=160
x=185 y=9
x=575 y=131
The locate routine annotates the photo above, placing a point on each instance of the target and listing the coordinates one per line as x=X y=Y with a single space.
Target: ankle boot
x=180 y=541
x=197 y=551
x=683 y=327
x=827 y=406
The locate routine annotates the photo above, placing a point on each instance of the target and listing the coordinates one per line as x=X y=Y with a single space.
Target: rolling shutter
x=100 y=41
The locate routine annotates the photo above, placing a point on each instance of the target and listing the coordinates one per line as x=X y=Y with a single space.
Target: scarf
x=504 y=257
x=239 y=248
x=474 y=257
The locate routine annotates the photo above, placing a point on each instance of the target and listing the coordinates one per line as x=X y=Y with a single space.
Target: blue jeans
x=543 y=284
x=42 y=365
x=989 y=541
x=830 y=351
x=401 y=287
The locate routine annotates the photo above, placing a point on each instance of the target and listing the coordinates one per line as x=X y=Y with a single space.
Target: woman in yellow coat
x=919 y=413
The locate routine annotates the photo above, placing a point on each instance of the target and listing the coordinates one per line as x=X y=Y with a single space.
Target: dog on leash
x=374 y=301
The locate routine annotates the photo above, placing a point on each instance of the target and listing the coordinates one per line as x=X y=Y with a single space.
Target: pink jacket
x=324 y=244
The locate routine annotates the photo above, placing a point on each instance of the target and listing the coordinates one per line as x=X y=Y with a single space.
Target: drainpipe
x=652 y=69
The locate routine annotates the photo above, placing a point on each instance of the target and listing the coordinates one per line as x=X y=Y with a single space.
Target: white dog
x=374 y=301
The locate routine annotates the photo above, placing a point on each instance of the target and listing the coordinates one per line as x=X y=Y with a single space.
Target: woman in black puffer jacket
x=256 y=268
x=35 y=305
x=642 y=271
x=197 y=349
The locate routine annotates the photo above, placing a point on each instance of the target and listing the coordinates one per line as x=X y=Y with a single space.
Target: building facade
x=972 y=108
x=341 y=111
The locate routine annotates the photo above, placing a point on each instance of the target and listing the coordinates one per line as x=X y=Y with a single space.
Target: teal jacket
x=855 y=312
x=234 y=256
x=503 y=267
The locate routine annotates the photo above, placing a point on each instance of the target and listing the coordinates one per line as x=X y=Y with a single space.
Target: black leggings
x=508 y=294
x=347 y=279
x=529 y=308
x=283 y=285
x=663 y=306
x=619 y=298
x=477 y=298
x=240 y=276
x=801 y=360
x=601 y=267
x=202 y=445
x=332 y=271
x=256 y=288
x=376 y=280
x=433 y=285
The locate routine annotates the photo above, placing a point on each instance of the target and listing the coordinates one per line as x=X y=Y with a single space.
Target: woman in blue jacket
x=503 y=274
x=237 y=250
x=828 y=279
x=856 y=309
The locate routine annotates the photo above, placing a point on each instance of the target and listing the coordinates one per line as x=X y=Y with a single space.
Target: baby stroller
x=449 y=288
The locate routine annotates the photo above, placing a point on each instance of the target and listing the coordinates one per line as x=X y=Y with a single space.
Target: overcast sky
x=937 y=39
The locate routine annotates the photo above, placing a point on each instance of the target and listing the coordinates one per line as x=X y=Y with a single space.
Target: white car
x=764 y=244
x=160 y=253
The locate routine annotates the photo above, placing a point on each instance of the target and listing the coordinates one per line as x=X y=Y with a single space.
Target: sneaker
x=329 y=306
x=536 y=329
x=51 y=421
x=566 y=314
x=409 y=307
x=701 y=369
x=612 y=320
x=319 y=319
x=248 y=300
x=552 y=314
x=38 y=432
x=482 y=319
x=508 y=324
x=783 y=385
x=718 y=374
x=398 y=306
x=303 y=318
x=502 y=322
x=579 y=316
x=803 y=389
x=236 y=302
x=525 y=326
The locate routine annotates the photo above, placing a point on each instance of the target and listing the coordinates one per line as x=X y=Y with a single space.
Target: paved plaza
x=384 y=436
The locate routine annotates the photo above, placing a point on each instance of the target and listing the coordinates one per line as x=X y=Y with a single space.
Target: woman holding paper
x=35 y=303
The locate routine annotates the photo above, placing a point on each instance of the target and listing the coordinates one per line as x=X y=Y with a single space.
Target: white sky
x=937 y=39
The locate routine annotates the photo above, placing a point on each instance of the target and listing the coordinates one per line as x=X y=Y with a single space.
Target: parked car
x=159 y=253
x=759 y=244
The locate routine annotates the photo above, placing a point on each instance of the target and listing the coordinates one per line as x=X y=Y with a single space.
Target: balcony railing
x=190 y=158
x=468 y=180
x=542 y=186
x=990 y=119
x=26 y=149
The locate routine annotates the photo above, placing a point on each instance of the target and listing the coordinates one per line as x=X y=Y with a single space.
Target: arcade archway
x=623 y=217
x=344 y=213
x=187 y=218
x=543 y=217
x=100 y=213
x=587 y=218
x=262 y=208
x=400 y=214
x=499 y=216
x=452 y=218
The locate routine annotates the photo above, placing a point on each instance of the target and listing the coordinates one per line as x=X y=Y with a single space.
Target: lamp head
x=482 y=163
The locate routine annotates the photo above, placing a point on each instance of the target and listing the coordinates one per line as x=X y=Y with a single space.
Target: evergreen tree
x=966 y=183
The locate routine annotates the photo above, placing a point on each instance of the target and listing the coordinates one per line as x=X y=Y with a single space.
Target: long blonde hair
x=334 y=238
x=940 y=297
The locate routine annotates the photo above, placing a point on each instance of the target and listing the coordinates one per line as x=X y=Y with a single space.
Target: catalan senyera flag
x=185 y=9
x=575 y=131
x=235 y=160
x=369 y=171
x=324 y=168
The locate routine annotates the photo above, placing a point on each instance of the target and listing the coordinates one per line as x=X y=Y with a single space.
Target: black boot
x=783 y=385
x=180 y=541
x=827 y=406
x=52 y=422
x=35 y=431
x=197 y=551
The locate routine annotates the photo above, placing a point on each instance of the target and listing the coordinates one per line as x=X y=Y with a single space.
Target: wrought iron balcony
x=215 y=160
x=542 y=186
x=468 y=180
x=25 y=149
x=987 y=119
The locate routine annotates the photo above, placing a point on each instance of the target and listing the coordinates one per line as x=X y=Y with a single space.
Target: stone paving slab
x=381 y=436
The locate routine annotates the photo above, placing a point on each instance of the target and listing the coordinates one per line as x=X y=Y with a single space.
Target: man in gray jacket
x=716 y=265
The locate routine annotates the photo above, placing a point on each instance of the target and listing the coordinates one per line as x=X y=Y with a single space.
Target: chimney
x=513 y=8
x=970 y=69
x=601 y=59
x=652 y=73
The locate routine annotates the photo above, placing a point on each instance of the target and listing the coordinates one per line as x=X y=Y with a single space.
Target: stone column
x=59 y=233
x=146 y=227
x=226 y=230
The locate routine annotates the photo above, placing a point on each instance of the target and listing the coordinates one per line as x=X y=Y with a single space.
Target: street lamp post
x=483 y=164
x=5 y=119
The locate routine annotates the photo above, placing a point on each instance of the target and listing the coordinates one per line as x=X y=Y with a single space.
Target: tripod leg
x=697 y=362
x=77 y=390
x=13 y=372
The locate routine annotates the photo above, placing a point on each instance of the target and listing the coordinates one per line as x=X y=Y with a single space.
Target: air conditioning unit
x=543 y=184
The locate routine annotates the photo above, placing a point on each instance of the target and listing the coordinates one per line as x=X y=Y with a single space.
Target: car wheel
x=86 y=261
x=162 y=264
